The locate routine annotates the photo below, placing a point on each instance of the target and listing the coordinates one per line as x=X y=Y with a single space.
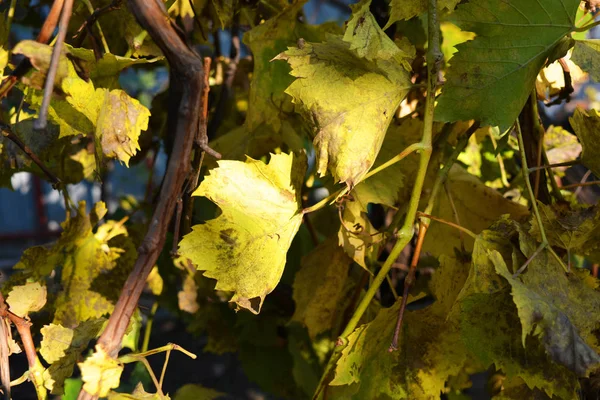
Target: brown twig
x=9 y=134
x=186 y=87
x=583 y=180
x=581 y=184
x=43 y=37
x=198 y=155
x=24 y=328
x=65 y=15
x=79 y=36
x=408 y=283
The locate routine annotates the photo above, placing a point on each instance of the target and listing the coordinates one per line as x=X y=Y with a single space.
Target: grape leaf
x=489 y=320
x=244 y=248
x=138 y=394
x=468 y=195
x=427 y=340
x=319 y=285
x=30 y=297
x=100 y=373
x=489 y=77
x=351 y=95
x=356 y=234
x=586 y=55
x=61 y=347
x=87 y=255
x=402 y=9
x=66 y=159
x=196 y=392
x=115 y=117
x=267 y=100
x=586 y=125
x=573 y=229
x=555 y=307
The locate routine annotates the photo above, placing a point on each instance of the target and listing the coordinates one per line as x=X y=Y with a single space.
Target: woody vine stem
x=405 y=233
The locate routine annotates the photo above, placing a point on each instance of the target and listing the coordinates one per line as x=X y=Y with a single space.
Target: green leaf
x=406 y=9
x=556 y=307
x=244 y=248
x=429 y=352
x=570 y=228
x=62 y=347
x=586 y=125
x=350 y=95
x=196 y=392
x=586 y=55
x=489 y=321
x=25 y=299
x=490 y=79
x=319 y=286
x=100 y=373
x=356 y=234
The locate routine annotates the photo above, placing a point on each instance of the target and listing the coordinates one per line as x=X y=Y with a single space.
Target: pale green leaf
x=319 y=285
x=26 y=299
x=39 y=55
x=586 y=125
x=244 y=248
x=492 y=76
x=350 y=98
x=100 y=373
x=586 y=55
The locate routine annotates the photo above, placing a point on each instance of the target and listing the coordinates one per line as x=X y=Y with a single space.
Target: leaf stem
x=534 y=207
x=587 y=27
x=405 y=234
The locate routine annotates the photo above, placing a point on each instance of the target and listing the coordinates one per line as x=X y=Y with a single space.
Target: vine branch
x=405 y=234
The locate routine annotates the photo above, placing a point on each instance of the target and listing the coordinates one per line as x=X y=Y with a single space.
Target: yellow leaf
x=100 y=373
x=30 y=297
x=245 y=248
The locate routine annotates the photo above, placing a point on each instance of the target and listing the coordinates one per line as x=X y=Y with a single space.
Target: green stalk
x=405 y=234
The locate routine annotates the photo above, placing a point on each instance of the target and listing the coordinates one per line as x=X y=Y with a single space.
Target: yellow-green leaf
x=61 y=347
x=100 y=373
x=319 y=285
x=586 y=125
x=586 y=54
x=350 y=95
x=244 y=248
x=25 y=299
x=196 y=392
x=406 y=9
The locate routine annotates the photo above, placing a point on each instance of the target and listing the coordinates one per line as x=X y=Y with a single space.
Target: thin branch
x=43 y=37
x=65 y=15
x=557 y=165
x=9 y=134
x=79 y=36
x=192 y=184
x=186 y=87
x=581 y=184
